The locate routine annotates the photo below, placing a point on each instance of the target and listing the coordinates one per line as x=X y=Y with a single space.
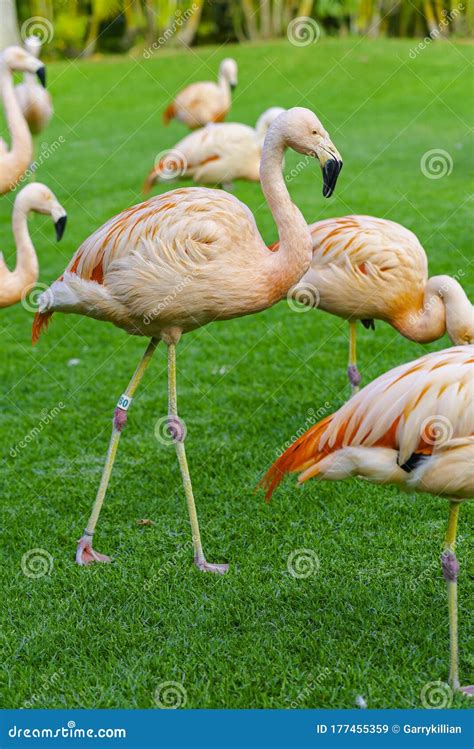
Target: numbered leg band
x=124 y=402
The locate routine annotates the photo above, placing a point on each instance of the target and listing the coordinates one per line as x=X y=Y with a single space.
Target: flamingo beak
x=331 y=171
x=60 y=226
x=41 y=73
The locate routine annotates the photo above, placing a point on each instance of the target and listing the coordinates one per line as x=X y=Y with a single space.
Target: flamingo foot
x=218 y=569
x=86 y=555
x=468 y=691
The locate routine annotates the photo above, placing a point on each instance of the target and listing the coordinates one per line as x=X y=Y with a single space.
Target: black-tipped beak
x=60 y=226
x=331 y=171
x=233 y=86
x=41 y=73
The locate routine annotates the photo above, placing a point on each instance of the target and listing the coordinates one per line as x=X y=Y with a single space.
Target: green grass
x=108 y=636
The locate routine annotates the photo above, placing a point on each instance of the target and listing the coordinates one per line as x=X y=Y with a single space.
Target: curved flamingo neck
x=26 y=267
x=293 y=256
x=21 y=141
x=445 y=307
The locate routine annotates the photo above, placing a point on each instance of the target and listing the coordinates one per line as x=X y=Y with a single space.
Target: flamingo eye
x=315 y=132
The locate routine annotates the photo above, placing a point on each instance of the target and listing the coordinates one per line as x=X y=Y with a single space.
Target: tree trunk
x=9 y=24
x=188 y=32
x=265 y=19
x=250 y=20
x=305 y=8
x=430 y=19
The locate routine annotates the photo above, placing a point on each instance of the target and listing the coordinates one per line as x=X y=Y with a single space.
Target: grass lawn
x=372 y=620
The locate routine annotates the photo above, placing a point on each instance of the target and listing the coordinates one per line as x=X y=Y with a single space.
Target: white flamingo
x=216 y=154
x=413 y=426
x=203 y=102
x=182 y=260
x=15 y=161
x=35 y=102
x=39 y=199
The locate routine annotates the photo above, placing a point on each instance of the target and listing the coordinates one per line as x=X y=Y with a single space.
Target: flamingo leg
x=450 y=566
x=85 y=554
x=178 y=432
x=352 y=372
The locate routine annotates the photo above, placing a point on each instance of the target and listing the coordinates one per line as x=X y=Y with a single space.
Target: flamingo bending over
x=216 y=154
x=366 y=268
x=15 y=162
x=203 y=102
x=184 y=259
x=35 y=102
x=413 y=426
x=40 y=199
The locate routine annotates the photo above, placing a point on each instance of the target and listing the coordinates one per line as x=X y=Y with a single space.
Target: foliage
x=86 y=26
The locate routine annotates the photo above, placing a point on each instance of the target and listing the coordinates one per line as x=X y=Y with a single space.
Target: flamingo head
x=303 y=132
x=40 y=199
x=18 y=59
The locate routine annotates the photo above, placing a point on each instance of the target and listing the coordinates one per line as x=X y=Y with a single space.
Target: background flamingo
x=15 y=162
x=367 y=269
x=40 y=199
x=203 y=102
x=413 y=426
x=35 y=102
x=184 y=259
x=216 y=154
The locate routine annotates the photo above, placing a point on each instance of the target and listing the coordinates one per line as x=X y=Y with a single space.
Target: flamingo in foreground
x=203 y=102
x=413 y=426
x=184 y=259
x=216 y=154
x=35 y=102
x=38 y=198
x=367 y=269
x=15 y=162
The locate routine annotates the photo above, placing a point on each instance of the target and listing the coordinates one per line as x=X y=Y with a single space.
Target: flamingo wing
x=412 y=409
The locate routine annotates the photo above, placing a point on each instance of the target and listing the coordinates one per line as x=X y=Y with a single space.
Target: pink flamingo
x=182 y=260
x=413 y=426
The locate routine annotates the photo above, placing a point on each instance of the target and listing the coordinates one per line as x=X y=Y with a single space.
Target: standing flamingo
x=15 y=162
x=216 y=154
x=203 y=102
x=181 y=260
x=367 y=269
x=413 y=426
x=38 y=198
x=35 y=102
